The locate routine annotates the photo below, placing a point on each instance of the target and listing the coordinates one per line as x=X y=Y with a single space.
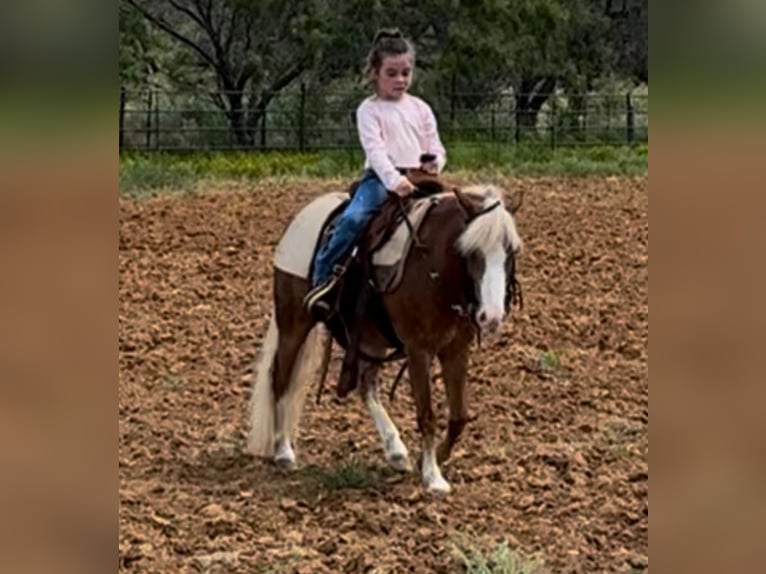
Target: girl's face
x=394 y=76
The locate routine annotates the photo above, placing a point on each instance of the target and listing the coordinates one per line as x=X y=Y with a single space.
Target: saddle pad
x=296 y=247
x=394 y=250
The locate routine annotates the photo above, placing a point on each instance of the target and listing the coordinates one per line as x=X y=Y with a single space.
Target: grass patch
x=549 y=362
x=351 y=474
x=621 y=436
x=144 y=173
x=171 y=383
x=540 y=160
x=501 y=560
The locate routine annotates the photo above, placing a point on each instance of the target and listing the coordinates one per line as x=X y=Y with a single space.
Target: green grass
x=351 y=474
x=549 y=362
x=621 y=435
x=149 y=173
x=171 y=383
x=501 y=560
x=540 y=160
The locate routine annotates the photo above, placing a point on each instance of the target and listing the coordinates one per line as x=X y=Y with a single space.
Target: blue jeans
x=369 y=196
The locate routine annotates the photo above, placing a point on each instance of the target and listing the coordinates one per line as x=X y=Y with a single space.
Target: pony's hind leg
x=420 y=380
x=290 y=354
x=295 y=360
x=286 y=358
x=393 y=447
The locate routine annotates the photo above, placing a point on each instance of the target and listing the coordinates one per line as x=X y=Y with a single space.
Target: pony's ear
x=513 y=203
x=463 y=201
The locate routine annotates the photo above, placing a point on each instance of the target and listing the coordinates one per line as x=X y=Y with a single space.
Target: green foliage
x=629 y=36
x=351 y=474
x=539 y=160
x=549 y=362
x=134 y=41
x=241 y=53
x=168 y=170
x=147 y=173
x=501 y=560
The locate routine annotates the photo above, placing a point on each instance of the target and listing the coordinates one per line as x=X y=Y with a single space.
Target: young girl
x=395 y=129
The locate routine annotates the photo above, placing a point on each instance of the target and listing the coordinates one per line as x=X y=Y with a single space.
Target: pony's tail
x=262 y=404
x=261 y=439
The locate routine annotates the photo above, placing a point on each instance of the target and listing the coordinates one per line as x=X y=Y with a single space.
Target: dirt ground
x=554 y=466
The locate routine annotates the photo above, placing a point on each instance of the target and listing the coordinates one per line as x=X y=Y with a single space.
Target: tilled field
x=554 y=466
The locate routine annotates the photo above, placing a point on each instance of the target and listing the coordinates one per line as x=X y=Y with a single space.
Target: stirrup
x=314 y=299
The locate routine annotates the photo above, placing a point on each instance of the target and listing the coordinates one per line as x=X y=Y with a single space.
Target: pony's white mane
x=491 y=229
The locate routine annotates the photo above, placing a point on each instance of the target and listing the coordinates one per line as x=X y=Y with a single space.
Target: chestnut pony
x=463 y=287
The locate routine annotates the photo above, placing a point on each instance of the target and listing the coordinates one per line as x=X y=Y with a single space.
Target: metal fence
x=301 y=120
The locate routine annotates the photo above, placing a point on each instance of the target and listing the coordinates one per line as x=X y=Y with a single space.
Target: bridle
x=512 y=288
x=482 y=212
x=513 y=292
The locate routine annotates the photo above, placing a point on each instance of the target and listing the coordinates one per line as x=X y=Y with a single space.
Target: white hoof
x=399 y=462
x=284 y=456
x=397 y=456
x=437 y=485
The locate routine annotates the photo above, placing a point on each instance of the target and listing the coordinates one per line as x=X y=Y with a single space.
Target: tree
x=630 y=36
x=136 y=61
x=253 y=48
x=531 y=46
x=245 y=52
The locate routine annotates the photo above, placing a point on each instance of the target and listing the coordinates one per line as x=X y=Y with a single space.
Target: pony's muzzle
x=489 y=323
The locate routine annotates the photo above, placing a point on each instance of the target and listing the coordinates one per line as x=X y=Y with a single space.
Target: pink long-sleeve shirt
x=395 y=133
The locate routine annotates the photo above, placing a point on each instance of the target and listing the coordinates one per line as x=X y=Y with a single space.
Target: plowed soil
x=554 y=466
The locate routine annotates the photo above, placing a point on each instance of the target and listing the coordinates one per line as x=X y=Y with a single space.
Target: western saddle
x=361 y=282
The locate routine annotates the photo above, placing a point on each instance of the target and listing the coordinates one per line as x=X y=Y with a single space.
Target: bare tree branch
x=206 y=21
x=227 y=43
x=168 y=29
x=214 y=34
x=191 y=14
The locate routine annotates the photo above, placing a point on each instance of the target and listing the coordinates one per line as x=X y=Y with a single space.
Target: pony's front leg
x=420 y=381
x=393 y=447
x=454 y=363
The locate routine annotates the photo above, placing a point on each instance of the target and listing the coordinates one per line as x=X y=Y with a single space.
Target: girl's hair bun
x=387 y=33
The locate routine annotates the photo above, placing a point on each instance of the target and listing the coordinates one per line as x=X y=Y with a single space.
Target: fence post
x=148 y=126
x=263 y=129
x=492 y=120
x=609 y=102
x=157 y=121
x=552 y=120
x=452 y=103
x=630 y=119
x=302 y=119
x=122 y=117
x=586 y=97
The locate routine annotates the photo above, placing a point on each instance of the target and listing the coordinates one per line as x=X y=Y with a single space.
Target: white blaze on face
x=492 y=309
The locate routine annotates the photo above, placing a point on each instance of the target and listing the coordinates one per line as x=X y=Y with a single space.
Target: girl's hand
x=405 y=188
x=430 y=167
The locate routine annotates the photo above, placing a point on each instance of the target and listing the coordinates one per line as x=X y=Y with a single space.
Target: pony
x=460 y=285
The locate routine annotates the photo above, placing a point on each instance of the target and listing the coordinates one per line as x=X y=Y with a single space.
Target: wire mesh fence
x=301 y=119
